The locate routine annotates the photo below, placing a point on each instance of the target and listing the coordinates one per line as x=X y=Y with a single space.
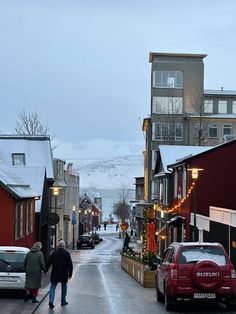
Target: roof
x=171 y=54
x=173 y=153
x=218 y=92
x=35 y=176
x=209 y=149
x=38 y=160
x=20 y=249
x=37 y=150
x=14 y=184
x=212 y=116
x=196 y=243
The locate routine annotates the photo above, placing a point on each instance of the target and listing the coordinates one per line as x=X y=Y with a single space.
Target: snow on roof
x=35 y=176
x=213 y=116
x=37 y=150
x=219 y=92
x=15 y=184
x=172 y=153
x=38 y=160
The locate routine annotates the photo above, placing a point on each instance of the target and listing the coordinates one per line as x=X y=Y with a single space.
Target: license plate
x=9 y=279
x=204 y=296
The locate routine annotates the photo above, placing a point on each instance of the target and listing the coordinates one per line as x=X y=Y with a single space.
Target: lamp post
x=79 y=212
x=73 y=225
x=85 y=212
x=55 y=191
x=194 y=174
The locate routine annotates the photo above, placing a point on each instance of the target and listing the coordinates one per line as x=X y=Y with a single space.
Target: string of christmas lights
x=180 y=202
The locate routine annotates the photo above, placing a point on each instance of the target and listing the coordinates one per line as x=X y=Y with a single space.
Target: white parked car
x=12 y=270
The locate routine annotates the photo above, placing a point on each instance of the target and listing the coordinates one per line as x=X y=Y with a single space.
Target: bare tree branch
x=30 y=125
x=121 y=208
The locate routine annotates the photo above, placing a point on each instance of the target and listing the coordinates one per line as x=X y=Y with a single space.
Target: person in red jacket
x=62 y=269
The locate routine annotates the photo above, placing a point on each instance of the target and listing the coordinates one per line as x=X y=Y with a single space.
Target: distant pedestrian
x=62 y=269
x=117 y=227
x=126 y=242
x=105 y=226
x=34 y=265
x=99 y=227
x=131 y=233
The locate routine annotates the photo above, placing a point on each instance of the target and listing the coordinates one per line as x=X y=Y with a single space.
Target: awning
x=176 y=221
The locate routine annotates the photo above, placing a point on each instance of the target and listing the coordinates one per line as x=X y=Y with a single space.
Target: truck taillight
x=174 y=273
x=233 y=274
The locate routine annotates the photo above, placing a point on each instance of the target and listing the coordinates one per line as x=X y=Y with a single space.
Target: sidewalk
x=45 y=285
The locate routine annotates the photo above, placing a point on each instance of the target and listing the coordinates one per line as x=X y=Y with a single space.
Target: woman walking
x=34 y=265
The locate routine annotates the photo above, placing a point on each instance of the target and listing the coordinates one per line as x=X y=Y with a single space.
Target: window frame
x=224 y=104
x=29 y=218
x=15 y=157
x=234 y=107
x=159 y=133
x=227 y=126
x=161 y=79
x=208 y=106
x=211 y=127
x=19 y=221
x=167 y=105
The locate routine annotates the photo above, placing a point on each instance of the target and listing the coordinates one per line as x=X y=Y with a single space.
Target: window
x=168 y=256
x=208 y=106
x=168 y=79
x=222 y=106
x=167 y=105
x=213 y=130
x=178 y=132
x=175 y=183
x=234 y=107
x=184 y=182
x=227 y=129
x=18 y=159
x=29 y=218
x=197 y=131
x=19 y=220
x=165 y=196
x=168 y=131
x=160 y=131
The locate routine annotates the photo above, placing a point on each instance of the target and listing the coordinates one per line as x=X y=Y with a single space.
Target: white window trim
x=222 y=103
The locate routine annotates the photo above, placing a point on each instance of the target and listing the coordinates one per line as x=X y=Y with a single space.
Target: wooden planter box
x=138 y=271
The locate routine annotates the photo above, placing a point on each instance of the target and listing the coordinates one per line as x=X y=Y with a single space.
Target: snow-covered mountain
x=115 y=173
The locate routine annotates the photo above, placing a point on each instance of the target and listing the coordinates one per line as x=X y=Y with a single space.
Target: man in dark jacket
x=62 y=269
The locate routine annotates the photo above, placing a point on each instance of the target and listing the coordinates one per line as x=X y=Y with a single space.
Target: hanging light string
x=176 y=206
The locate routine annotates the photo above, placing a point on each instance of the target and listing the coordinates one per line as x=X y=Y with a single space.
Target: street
x=99 y=285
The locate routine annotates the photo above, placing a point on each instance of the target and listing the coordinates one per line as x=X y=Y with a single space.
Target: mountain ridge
x=111 y=173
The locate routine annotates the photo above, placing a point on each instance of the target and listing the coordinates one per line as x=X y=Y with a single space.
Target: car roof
x=18 y=249
x=196 y=244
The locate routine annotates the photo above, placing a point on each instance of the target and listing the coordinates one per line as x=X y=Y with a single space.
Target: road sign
x=73 y=220
x=53 y=219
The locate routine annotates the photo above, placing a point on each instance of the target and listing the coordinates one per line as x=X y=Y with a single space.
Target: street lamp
x=55 y=190
x=194 y=174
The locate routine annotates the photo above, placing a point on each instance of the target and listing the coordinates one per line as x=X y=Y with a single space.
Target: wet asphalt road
x=100 y=286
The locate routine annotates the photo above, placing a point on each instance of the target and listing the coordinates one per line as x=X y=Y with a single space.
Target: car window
x=168 y=255
x=12 y=262
x=198 y=253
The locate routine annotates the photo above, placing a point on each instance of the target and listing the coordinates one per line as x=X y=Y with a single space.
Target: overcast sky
x=83 y=67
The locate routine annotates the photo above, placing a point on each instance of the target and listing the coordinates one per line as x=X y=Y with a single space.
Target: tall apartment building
x=182 y=112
